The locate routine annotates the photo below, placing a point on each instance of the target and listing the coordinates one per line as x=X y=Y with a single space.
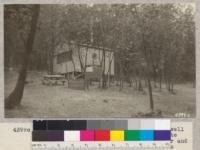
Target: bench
x=53 y=80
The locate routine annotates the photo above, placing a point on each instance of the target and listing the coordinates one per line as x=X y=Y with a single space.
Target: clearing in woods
x=59 y=101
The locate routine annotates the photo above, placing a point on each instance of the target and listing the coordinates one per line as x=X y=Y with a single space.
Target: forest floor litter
x=40 y=101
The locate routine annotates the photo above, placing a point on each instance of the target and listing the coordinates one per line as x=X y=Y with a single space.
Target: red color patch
x=102 y=135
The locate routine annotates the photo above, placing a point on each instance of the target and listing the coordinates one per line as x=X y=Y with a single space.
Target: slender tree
x=14 y=99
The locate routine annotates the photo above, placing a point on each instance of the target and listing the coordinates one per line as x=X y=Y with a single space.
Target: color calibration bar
x=102 y=135
x=101 y=130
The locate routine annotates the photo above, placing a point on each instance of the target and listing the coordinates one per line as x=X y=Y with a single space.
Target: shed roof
x=84 y=45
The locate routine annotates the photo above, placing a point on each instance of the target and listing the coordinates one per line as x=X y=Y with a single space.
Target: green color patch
x=132 y=135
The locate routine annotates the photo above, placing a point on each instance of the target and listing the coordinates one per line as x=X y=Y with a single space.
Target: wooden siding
x=68 y=66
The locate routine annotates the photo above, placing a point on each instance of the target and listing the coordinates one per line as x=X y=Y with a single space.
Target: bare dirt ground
x=41 y=101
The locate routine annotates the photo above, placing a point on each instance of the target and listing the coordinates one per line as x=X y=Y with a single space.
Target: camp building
x=73 y=60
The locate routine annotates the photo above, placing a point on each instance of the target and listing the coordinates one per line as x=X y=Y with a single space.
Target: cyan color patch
x=146 y=135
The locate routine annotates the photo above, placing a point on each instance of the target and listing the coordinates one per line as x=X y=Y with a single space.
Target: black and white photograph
x=99 y=60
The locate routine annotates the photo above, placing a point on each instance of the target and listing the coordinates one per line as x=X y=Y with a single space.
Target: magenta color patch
x=87 y=135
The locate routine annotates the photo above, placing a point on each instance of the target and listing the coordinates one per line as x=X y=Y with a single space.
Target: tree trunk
x=154 y=76
x=72 y=55
x=168 y=85
x=121 y=85
x=172 y=87
x=86 y=85
x=14 y=99
x=109 y=71
x=140 y=88
x=147 y=61
x=50 y=62
x=120 y=76
x=160 y=80
x=103 y=71
x=52 y=53
x=130 y=82
x=108 y=85
x=80 y=60
x=145 y=82
x=136 y=85
x=150 y=94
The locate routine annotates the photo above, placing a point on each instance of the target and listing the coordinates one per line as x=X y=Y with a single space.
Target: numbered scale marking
x=101 y=146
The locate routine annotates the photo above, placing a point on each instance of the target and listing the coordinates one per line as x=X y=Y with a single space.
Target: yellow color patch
x=116 y=135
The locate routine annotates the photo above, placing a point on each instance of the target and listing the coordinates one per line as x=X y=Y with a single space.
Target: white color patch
x=162 y=124
x=71 y=136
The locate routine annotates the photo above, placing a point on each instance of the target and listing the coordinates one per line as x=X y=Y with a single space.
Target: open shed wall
x=80 y=54
x=91 y=61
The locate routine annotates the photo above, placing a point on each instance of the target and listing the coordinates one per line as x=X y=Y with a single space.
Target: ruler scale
x=101 y=145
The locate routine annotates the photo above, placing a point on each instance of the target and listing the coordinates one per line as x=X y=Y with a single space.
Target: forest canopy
x=168 y=29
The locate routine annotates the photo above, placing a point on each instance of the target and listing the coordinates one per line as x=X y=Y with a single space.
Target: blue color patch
x=146 y=135
x=162 y=135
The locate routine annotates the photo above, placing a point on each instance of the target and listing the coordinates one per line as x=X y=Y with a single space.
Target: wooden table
x=53 y=80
